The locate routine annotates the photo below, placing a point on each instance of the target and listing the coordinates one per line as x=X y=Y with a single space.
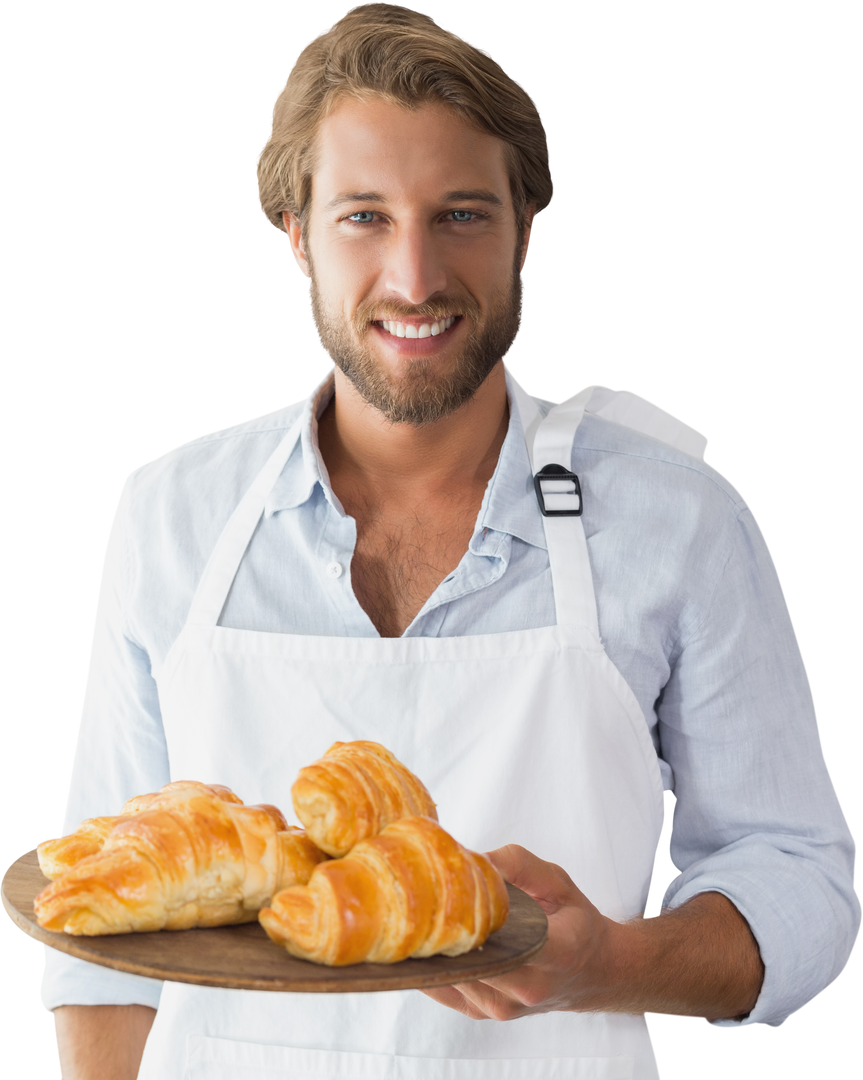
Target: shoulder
x=213 y=471
x=678 y=561
x=176 y=506
x=649 y=477
x=664 y=530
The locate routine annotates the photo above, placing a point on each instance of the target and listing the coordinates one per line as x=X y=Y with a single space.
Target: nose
x=414 y=267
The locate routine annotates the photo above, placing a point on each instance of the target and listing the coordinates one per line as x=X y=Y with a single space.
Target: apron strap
x=549 y=442
x=222 y=566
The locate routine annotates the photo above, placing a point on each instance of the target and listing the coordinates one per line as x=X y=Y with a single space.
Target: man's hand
x=578 y=936
x=697 y=960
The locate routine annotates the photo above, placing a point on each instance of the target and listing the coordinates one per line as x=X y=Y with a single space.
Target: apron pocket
x=226 y=1059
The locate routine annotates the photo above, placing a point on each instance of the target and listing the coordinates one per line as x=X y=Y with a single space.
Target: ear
x=529 y=214
x=295 y=234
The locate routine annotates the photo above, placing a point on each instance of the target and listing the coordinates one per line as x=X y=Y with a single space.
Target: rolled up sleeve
x=756 y=816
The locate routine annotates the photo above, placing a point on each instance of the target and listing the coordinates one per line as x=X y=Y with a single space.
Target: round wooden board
x=244 y=958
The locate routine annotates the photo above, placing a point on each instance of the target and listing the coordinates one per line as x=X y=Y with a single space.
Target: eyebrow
x=473 y=195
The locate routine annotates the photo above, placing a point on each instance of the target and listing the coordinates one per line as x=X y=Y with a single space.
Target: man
x=392 y=576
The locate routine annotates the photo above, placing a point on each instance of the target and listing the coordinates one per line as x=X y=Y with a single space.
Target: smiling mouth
x=417 y=330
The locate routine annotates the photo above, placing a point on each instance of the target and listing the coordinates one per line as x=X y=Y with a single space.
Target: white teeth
x=410 y=330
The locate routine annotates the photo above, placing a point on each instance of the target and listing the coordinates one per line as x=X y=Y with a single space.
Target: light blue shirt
x=690 y=611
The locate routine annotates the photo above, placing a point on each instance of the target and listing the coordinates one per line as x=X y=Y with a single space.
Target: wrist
x=698 y=960
x=594 y=963
x=617 y=970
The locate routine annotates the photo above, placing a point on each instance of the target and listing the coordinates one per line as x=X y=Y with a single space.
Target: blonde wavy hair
x=380 y=50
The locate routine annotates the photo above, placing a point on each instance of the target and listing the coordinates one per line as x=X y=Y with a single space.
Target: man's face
x=414 y=255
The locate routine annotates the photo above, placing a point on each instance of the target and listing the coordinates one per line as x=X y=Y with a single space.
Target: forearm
x=697 y=960
x=102 y=1042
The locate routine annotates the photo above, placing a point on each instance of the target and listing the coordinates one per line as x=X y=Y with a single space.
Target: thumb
x=546 y=882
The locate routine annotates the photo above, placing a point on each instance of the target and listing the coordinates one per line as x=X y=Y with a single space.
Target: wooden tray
x=244 y=958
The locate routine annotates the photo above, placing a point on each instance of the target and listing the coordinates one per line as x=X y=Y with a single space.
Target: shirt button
x=334 y=570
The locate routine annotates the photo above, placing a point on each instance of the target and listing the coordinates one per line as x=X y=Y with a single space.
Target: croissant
x=58 y=856
x=355 y=791
x=410 y=891
x=185 y=857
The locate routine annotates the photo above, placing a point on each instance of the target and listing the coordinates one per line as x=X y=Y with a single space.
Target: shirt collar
x=305 y=467
x=509 y=505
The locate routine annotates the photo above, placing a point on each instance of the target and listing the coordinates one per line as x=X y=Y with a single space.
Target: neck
x=362 y=448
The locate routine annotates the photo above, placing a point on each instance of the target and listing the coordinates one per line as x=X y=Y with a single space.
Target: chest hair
x=401 y=557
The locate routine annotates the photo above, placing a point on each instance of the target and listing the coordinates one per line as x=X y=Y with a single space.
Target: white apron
x=528 y=737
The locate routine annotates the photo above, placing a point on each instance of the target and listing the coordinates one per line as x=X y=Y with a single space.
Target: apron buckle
x=558 y=492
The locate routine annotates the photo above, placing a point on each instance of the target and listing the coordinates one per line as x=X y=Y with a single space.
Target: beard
x=422 y=394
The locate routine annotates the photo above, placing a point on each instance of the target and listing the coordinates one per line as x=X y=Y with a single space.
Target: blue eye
x=362 y=217
x=472 y=215
x=462 y=215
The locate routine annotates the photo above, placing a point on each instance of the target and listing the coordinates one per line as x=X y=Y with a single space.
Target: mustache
x=434 y=312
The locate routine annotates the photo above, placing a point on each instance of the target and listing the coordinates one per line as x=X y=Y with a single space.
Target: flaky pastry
x=355 y=791
x=58 y=856
x=189 y=856
x=410 y=891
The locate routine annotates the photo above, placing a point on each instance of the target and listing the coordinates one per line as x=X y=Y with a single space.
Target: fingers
x=453 y=999
x=546 y=882
x=479 y=1001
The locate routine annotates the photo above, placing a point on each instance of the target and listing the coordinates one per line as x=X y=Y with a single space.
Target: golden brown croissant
x=411 y=891
x=353 y=792
x=58 y=856
x=188 y=857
